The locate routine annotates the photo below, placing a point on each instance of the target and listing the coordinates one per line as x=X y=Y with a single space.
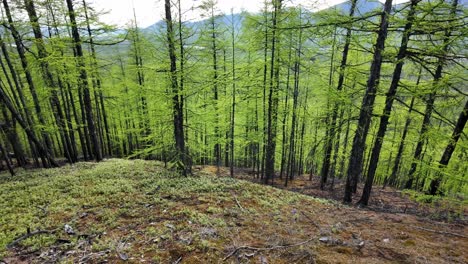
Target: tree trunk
x=50 y=82
x=98 y=87
x=374 y=160
x=430 y=101
x=29 y=79
x=444 y=161
x=365 y=115
x=177 y=97
x=83 y=83
x=331 y=134
x=396 y=166
x=233 y=107
x=272 y=98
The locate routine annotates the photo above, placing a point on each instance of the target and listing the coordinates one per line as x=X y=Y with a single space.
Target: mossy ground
x=136 y=211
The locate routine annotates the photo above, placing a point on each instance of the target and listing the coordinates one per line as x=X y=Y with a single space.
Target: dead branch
x=28 y=235
x=238 y=203
x=310 y=220
x=440 y=232
x=266 y=248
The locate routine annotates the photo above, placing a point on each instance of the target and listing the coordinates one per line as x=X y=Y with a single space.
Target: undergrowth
x=121 y=197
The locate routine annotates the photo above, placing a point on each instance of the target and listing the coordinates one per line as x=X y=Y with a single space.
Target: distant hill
x=363 y=6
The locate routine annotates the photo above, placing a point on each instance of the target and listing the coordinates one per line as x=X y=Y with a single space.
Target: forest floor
x=136 y=211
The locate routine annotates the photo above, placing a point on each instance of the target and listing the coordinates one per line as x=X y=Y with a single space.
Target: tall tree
x=29 y=78
x=50 y=82
x=441 y=61
x=83 y=82
x=182 y=158
x=367 y=106
x=344 y=61
x=390 y=97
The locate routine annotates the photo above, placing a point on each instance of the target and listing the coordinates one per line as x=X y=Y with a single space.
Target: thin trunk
x=396 y=165
x=444 y=161
x=430 y=101
x=44 y=152
x=330 y=124
x=83 y=82
x=49 y=81
x=331 y=133
x=7 y=161
x=233 y=111
x=285 y=113
x=272 y=98
x=292 y=136
x=29 y=79
x=98 y=87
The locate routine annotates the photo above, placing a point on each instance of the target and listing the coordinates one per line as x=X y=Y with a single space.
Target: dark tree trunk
x=217 y=146
x=265 y=77
x=285 y=114
x=9 y=128
x=365 y=115
x=292 y=136
x=374 y=160
x=100 y=106
x=7 y=161
x=272 y=98
x=430 y=101
x=29 y=79
x=330 y=124
x=50 y=83
x=233 y=106
x=396 y=165
x=444 y=161
x=331 y=134
x=43 y=151
x=83 y=83
x=177 y=97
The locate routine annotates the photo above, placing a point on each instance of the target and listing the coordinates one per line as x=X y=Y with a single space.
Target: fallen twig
x=310 y=220
x=266 y=248
x=238 y=203
x=177 y=261
x=28 y=235
x=440 y=232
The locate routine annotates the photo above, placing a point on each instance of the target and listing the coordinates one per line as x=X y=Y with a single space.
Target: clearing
x=136 y=211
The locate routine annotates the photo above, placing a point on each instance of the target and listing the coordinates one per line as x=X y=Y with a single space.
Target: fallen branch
x=266 y=248
x=310 y=220
x=440 y=232
x=28 y=235
x=238 y=203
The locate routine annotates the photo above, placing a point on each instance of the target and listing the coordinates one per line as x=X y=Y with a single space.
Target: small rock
x=123 y=256
x=386 y=240
x=69 y=230
x=325 y=239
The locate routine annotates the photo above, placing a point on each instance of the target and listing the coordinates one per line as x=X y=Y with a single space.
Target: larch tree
x=83 y=82
x=182 y=158
x=367 y=106
x=390 y=97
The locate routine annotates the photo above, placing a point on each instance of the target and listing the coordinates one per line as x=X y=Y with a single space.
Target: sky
x=149 y=12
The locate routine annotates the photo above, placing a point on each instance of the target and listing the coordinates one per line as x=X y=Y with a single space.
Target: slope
x=136 y=211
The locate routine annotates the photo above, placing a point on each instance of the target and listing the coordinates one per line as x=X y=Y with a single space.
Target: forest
x=350 y=101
